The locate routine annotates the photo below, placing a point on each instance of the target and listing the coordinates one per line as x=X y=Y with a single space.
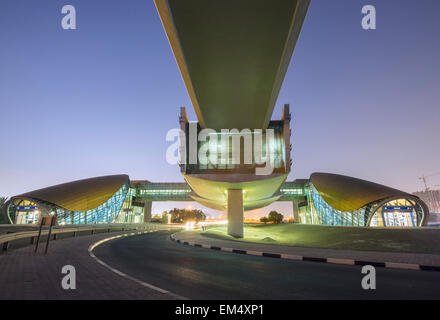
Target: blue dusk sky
x=99 y=100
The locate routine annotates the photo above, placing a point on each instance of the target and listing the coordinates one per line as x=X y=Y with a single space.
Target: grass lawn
x=417 y=240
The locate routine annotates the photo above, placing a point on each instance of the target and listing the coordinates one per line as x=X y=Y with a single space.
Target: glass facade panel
x=220 y=148
x=397 y=213
x=25 y=212
x=162 y=192
x=106 y=213
x=321 y=213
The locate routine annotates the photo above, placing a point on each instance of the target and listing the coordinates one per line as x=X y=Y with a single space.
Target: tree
x=275 y=217
x=3 y=215
x=184 y=215
x=264 y=220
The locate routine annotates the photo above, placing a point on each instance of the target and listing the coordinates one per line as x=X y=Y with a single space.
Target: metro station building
x=233 y=57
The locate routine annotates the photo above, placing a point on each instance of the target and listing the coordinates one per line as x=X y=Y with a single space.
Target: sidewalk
x=393 y=259
x=25 y=275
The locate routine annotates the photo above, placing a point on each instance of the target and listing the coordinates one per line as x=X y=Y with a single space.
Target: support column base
x=235 y=213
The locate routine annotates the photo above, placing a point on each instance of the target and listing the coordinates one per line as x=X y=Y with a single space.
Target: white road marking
x=142 y=283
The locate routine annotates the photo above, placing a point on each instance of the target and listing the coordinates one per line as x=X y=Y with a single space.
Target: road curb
x=389 y=265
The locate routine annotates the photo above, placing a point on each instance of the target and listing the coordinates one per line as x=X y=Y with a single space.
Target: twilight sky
x=99 y=100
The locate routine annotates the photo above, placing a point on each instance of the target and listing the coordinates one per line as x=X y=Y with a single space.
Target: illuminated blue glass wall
x=106 y=213
x=326 y=215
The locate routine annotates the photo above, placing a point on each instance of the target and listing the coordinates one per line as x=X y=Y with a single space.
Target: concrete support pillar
x=286 y=117
x=147 y=211
x=295 y=211
x=235 y=213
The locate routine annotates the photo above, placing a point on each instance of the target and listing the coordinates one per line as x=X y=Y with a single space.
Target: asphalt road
x=198 y=273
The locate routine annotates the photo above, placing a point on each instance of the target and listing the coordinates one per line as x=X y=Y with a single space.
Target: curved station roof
x=347 y=194
x=233 y=55
x=81 y=195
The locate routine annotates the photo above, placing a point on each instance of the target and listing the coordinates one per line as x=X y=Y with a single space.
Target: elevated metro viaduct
x=233 y=57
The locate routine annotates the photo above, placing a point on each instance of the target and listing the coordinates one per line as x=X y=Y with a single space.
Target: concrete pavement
x=25 y=275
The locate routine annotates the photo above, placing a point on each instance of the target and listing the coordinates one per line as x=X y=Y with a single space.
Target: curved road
x=198 y=273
